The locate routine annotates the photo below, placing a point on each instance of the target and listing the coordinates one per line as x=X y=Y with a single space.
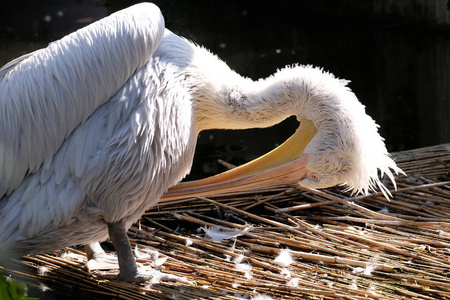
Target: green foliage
x=11 y=289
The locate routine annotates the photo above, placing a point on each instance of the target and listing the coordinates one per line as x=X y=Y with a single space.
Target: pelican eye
x=315 y=176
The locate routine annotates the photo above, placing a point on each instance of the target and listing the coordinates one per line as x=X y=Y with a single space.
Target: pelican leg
x=127 y=264
x=98 y=259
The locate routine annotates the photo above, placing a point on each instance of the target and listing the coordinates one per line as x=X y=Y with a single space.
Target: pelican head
x=335 y=143
x=347 y=148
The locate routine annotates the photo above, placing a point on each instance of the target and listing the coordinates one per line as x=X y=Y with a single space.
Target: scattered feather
x=248 y=274
x=232 y=248
x=284 y=258
x=160 y=261
x=246 y=268
x=372 y=289
x=293 y=282
x=370 y=267
x=218 y=233
x=353 y=285
x=243 y=267
x=261 y=297
x=384 y=210
x=42 y=270
x=43 y=288
x=238 y=259
x=188 y=242
x=285 y=272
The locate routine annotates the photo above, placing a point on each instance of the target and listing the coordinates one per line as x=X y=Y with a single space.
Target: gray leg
x=127 y=264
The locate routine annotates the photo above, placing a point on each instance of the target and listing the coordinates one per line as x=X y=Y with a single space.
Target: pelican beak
x=283 y=165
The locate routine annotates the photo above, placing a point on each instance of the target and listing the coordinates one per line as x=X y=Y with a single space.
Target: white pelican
x=96 y=127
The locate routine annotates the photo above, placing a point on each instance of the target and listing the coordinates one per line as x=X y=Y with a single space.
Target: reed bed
x=283 y=242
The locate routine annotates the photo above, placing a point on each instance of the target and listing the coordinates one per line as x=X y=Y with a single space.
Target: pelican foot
x=106 y=262
x=129 y=269
x=98 y=259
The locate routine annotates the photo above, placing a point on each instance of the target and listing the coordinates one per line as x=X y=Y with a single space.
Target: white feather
x=261 y=297
x=217 y=233
x=293 y=282
x=371 y=266
x=43 y=288
x=42 y=270
x=243 y=267
x=284 y=258
x=285 y=272
x=238 y=259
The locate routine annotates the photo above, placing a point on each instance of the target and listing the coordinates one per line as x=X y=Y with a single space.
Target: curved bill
x=283 y=165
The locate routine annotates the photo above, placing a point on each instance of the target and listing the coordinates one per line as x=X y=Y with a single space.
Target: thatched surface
x=343 y=247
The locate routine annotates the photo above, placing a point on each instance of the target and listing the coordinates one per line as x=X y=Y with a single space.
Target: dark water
x=400 y=73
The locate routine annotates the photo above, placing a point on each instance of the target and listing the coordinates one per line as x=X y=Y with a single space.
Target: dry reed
x=343 y=247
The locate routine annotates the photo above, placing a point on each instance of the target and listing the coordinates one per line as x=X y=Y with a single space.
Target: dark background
x=396 y=54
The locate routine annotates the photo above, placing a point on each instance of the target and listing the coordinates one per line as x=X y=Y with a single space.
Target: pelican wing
x=12 y=64
x=45 y=95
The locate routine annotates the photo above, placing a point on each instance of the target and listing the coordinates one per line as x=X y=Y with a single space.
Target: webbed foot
x=129 y=270
x=98 y=259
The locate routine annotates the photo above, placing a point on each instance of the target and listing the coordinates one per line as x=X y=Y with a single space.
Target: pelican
x=95 y=129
